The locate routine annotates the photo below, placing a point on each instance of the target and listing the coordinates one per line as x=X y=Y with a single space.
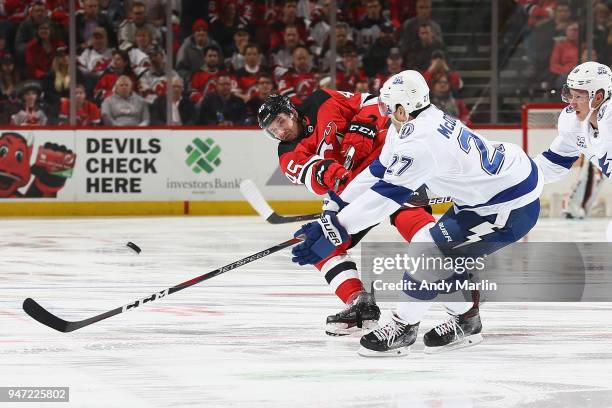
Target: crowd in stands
x=229 y=55
x=555 y=38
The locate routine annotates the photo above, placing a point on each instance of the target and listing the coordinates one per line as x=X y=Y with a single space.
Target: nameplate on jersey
x=447 y=127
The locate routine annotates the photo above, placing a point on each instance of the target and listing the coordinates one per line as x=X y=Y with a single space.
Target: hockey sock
x=410 y=220
x=458 y=308
x=412 y=312
x=340 y=272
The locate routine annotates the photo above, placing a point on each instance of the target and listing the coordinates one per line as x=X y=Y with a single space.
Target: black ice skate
x=392 y=340
x=360 y=314
x=457 y=332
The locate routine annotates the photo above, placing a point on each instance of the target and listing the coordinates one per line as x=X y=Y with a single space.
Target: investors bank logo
x=203 y=155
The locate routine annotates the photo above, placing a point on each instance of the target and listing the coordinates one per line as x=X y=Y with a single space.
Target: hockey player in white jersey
x=584 y=126
x=495 y=187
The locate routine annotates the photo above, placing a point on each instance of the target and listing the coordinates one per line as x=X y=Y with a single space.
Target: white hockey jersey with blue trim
x=452 y=160
x=578 y=137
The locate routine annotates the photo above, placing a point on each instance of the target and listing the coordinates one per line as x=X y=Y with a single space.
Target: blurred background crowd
x=482 y=58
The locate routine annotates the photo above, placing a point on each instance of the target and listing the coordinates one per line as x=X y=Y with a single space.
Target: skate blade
x=468 y=341
x=398 y=352
x=341 y=329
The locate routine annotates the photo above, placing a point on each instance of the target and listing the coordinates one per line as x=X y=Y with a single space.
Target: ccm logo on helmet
x=367 y=131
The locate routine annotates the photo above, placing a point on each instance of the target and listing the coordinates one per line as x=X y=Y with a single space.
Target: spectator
x=442 y=97
x=602 y=20
x=541 y=40
x=411 y=27
x=124 y=107
x=377 y=53
x=282 y=56
x=191 y=11
x=9 y=78
x=287 y=18
x=152 y=83
x=362 y=86
x=245 y=8
x=419 y=54
x=40 y=51
x=401 y=10
x=263 y=89
x=203 y=80
x=31 y=114
x=369 y=28
x=127 y=28
x=114 y=10
x=349 y=73
x=96 y=58
x=342 y=40
x=87 y=112
x=565 y=55
x=223 y=29
x=221 y=107
x=119 y=66
x=537 y=11
x=394 y=66
x=299 y=81
x=56 y=83
x=235 y=58
x=191 y=53
x=27 y=30
x=439 y=66
x=156 y=12
x=247 y=76
x=319 y=26
x=183 y=110
x=88 y=19
x=139 y=60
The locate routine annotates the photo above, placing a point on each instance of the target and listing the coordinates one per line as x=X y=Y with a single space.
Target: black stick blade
x=43 y=316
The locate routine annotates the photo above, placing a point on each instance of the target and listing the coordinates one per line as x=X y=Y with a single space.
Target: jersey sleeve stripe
x=563 y=161
x=306 y=172
x=511 y=193
x=393 y=192
x=377 y=169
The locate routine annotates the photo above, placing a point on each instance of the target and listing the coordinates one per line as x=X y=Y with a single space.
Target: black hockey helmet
x=272 y=106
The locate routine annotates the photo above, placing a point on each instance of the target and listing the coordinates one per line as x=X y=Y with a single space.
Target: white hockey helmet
x=408 y=89
x=589 y=76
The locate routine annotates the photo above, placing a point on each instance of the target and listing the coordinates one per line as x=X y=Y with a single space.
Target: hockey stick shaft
x=348 y=163
x=42 y=315
x=252 y=194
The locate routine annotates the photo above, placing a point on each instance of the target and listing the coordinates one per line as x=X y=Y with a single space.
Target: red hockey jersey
x=329 y=116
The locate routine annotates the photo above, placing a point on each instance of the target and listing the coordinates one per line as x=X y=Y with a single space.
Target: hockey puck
x=134 y=247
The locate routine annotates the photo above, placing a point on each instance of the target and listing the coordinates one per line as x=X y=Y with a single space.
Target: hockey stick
x=252 y=194
x=42 y=315
x=348 y=163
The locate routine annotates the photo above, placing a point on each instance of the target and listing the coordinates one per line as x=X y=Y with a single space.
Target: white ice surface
x=254 y=337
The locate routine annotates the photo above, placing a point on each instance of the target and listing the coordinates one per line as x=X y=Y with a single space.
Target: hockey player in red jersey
x=313 y=140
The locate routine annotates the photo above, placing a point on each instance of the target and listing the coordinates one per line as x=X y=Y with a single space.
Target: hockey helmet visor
x=384 y=108
x=268 y=115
